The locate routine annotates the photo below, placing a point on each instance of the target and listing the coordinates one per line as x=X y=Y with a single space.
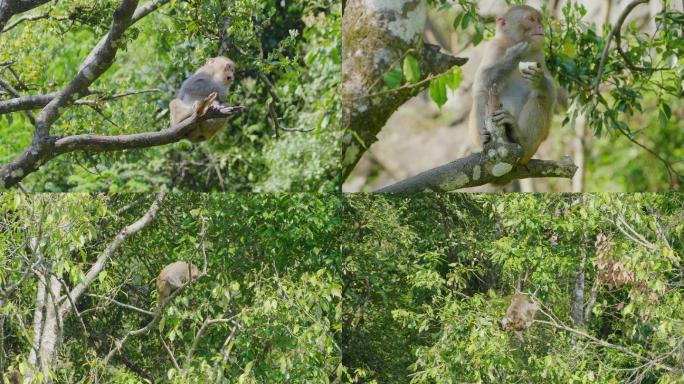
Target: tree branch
x=615 y=31
x=606 y=344
x=468 y=172
x=111 y=248
x=376 y=37
x=45 y=147
x=100 y=143
x=497 y=163
x=9 y=8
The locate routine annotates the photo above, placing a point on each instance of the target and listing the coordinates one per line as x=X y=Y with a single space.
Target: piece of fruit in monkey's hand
x=523 y=65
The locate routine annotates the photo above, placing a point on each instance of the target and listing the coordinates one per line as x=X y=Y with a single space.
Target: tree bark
x=577 y=308
x=377 y=35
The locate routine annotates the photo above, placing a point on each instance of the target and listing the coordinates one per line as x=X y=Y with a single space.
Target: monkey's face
x=222 y=69
x=523 y=25
x=534 y=29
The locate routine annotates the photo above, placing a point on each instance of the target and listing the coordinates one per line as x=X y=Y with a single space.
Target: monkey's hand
x=516 y=52
x=537 y=77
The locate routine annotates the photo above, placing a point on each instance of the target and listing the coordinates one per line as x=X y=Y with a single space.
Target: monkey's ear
x=211 y=61
x=500 y=21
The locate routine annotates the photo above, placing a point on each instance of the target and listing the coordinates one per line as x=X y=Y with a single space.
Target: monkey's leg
x=179 y=111
x=206 y=130
x=533 y=126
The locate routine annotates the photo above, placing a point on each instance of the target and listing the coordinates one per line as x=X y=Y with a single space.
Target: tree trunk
x=577 y=308
x=377 y=36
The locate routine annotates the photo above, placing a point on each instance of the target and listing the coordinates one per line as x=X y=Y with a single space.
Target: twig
x=227 y=347
x=131 y=307
x=32 y=18
x=616 y=29
x=297 y=129
x=606 y=344
x=168 y=351
x=203 y=328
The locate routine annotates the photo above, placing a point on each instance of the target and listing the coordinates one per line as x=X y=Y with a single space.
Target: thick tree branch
x=97 y=62
x=12 y=173
x=100 y=143
x=45 y=147
x=9 y=8
x=497 y=163
x=24 y=103
x=477 y=169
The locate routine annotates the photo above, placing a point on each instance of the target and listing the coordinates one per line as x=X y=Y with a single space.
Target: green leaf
x=457 y=20
x=466 y=20
x=393 y=78
x=411 y=69
x=453 y=78
x=477 y=38
x=438 y=91
x=662 y=117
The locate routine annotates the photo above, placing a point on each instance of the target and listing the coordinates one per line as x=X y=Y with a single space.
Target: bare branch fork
x=498 y=163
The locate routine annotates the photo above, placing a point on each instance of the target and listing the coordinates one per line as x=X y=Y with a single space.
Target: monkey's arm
x=477 y=118
x=495 y=69
x=537 y=112
x=201 y=85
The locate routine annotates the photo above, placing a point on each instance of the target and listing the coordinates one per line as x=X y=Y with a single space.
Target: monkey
x=174 y=276
x=214 y=76
x=519 y=315
x=514 y=62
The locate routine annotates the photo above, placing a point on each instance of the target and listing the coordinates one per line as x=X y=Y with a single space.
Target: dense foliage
x=288 y=60
x=427 y=278
x=271 y=272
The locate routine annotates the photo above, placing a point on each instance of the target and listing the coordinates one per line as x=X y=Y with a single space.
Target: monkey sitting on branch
x=203 y=91
x=519 y=315
x=513 y=66
x=174 y=276
x=513 y=103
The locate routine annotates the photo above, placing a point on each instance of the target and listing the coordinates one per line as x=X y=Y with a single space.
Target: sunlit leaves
x=438 y=87
x=393 y=78
x=411 y=69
